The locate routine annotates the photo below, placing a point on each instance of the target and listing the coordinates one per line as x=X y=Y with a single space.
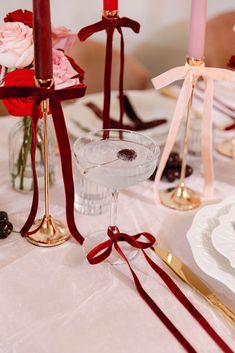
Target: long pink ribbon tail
x=207 y=138
x=187 y=73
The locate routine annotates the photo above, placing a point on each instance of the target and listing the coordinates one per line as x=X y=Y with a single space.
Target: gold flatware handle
x=222 y=308
x=194 y=281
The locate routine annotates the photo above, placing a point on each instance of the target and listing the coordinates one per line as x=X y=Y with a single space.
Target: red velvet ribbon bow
x=110 y=24
x=38 y=94
x=102 y=252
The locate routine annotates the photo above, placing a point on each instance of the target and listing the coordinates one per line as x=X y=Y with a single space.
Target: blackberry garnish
x=127 y=154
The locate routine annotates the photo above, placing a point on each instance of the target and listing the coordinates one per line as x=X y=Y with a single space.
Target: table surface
x=53 y=301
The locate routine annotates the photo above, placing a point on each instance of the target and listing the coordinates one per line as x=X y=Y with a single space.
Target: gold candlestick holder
x=182 y=197
x=227 y=148
x=110 y=14
x=47 y=232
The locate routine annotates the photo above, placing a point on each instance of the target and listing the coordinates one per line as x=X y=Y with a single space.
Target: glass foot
x=114 y=258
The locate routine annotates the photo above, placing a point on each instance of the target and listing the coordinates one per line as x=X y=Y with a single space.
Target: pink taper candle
x=110 y=5
x=42 y=39
x=197 y=29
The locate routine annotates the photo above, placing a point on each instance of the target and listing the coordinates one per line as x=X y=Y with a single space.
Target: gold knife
x=194 y=281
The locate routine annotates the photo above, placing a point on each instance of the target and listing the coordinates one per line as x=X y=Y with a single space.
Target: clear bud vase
x=20 y=167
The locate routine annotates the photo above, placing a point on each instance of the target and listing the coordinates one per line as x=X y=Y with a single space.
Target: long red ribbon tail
x=135 y=26
x=182 y=299
x=107 y=74
x=155 y=308
x=66 y=164
x=121 y=79
x=110 y=25
x=34 y=206
x=188 y=305
x=55 y=96
x=103 y=250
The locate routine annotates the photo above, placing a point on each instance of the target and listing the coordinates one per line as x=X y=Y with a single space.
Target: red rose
x=20 y=16
x=231 y=63
x=19 y=78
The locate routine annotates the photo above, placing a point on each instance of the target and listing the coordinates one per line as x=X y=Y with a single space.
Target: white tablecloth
x=53 y=301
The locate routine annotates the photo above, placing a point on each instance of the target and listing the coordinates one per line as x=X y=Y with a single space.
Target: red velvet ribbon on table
x=110 y=24
x=38 y=94
x=103 y=250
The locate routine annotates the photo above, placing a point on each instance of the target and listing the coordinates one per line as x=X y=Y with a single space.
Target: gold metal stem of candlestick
x=47 y=231
x=181 y=197
x=45 y=105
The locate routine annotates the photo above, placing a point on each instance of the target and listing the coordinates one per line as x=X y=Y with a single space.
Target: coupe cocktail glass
x=115 y=159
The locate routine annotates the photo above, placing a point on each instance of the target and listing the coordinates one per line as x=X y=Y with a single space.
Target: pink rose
x=16 y=45
x=64 y=74
x=62 y=38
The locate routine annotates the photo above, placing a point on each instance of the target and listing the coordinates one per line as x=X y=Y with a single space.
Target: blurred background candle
x=197 y=29
x=110 y=5
x=42 y=39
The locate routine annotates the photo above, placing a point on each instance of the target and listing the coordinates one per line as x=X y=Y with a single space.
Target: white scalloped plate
x=199 y=237
x=223 y=236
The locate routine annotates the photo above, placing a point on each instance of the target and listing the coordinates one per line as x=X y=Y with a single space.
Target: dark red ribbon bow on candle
x=102 y=252
x=110 y=24
x=38 y=94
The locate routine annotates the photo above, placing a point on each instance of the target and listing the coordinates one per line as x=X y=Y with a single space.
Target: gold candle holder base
x=47 y=232
x=227 y=148
x=110 y=14
x=180 y=198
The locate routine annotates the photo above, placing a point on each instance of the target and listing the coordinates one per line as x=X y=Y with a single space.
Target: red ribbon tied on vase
x=144 y=241
x=38 y=94
x=110 y=24
x=188 y=73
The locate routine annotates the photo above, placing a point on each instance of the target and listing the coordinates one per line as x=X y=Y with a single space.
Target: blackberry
x=127 y=154
x=172 y=169
x=3 y=216
x=174 y=157
x=170 y=175
x=189 y=170
x=6 y=228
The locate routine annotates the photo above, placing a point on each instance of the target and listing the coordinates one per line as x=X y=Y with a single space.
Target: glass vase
x=20 y=167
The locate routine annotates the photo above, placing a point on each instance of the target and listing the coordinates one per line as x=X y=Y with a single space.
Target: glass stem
x=113 y=211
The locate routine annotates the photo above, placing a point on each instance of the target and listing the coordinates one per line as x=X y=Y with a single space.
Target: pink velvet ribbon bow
x=38 y=94
x=188 y=74
x=110 y=24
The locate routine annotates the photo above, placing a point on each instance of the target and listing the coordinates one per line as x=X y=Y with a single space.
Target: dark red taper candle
x=42 y=39
x=110 y=5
